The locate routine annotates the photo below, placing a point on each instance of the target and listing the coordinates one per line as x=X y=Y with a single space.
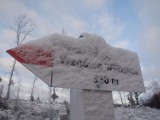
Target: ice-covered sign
x=87 y=62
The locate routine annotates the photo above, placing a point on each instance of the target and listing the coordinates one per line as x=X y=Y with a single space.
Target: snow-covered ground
x=27 y=110
x=40 y=111
x=137 y=113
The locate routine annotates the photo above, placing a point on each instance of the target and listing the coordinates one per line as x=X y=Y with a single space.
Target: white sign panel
x=82 y=63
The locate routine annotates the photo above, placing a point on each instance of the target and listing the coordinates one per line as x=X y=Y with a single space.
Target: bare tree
x=1 y=87
x=23 y=27
x=64 y=32
x=121 y=98
x=33 y=86
x=19 y=88
x=54 y=95
x=124 y=96
x=136 y=95
x=17 y=97
x=0 y=79
x=131 y=98
x=155 y=86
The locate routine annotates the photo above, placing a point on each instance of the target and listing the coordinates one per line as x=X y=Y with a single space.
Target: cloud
x=117 y=99
x=6 y=63
x=10 y=9
x=7 y=8
x=57 y=15
x=20 y=71
x=123 y=44
x=75 y=17
x=43 y=24
x=63 y=95
x=148 y=12
x=152 y=42
x=96 y=4
x=77 y=24
x=7 y=39
x=151 y=73
x=109 y=26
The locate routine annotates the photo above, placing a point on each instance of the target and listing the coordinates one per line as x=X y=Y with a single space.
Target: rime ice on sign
x=82 y=63
x=86 y=63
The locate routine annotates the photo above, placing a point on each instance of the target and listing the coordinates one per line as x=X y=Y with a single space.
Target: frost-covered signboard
x=87 y=65
x=84 y=63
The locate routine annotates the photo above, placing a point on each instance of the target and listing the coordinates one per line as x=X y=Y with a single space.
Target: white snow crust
x=40 y=111
x=88 y=62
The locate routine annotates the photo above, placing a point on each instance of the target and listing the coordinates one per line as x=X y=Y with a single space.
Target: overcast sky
x=129 y=24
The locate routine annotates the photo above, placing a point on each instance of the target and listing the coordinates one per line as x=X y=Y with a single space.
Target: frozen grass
x=40 y=111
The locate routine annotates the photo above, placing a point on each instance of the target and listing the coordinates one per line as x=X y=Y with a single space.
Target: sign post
x=91 y=105
x=87 y=65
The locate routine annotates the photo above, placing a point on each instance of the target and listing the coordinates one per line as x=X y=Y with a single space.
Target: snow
x=137 y=113
x=40 y=111
x=27 y=110
x=152 y=88
x=87 y=62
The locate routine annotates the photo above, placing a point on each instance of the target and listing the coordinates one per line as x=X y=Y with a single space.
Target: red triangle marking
x=32 y=55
